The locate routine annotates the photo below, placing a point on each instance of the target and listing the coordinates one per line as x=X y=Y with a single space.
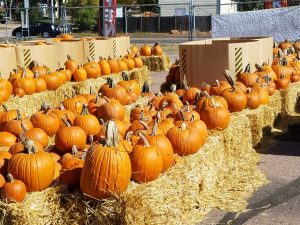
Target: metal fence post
x=194 y=24
x=191 y=20
x=126 y=21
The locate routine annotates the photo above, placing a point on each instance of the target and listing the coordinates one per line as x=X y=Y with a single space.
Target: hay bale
x=174 y=197
x=38 y=208
x=30 y=104
x=157 y=63
x=291 y=100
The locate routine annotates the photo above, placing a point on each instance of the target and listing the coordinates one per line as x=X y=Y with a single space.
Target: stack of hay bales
x=157 y=63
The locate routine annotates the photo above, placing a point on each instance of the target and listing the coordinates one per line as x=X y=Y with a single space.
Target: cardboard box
x=8 y=60
x=120 y=45
x=43 y=54
x=73 y=48
x=205 y=60
x=101 y=47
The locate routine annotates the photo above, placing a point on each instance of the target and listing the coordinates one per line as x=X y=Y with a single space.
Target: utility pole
x=52 y=12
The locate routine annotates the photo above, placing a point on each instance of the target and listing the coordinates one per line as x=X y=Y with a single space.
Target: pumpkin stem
x=5 y=108
x=156 y=43
x=125 y=76
x=218 y=83
x=69 y=57
x=187 y=107
x=18 y=117
x=248 y=90
x=182 y=115
x=142 y=116
x=145 y=88
x=111 y=134
x=146 y=143
x=91 y=139
x=10 y=178
x=284 y=62
x=128 y=136
x=24 y=127
x=173 y=88
x=83 y=156
x=101 y=121
x=74 y=150
x=229 y=79
x=206 y=94
x=29 y=146
x=213 y=103
x=259 y=67
x=66 y=122
x=45 y=107
x=247 y=69
x=158 y=116
x=154 y=129
x=164 y=104
x=183 y=126
x=192 y=118
x=61 y=106
x=144 y=125
x=36 y=74
x=85 y=110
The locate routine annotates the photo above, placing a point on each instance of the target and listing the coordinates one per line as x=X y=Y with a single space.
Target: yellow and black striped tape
x=183 y=61
x=27 y=57
x=115 y=47
x=92 y=50
x=238 y=60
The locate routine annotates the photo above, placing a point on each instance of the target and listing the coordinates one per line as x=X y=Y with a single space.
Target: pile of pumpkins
x=95 y=141
x=38 y=78
x=146 y=50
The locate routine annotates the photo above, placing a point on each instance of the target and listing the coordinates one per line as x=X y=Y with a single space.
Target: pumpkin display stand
x=222 y=174
x=29 y=104
x=157 y=63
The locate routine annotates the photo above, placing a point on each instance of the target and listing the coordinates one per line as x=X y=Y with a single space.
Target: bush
x=85 y=19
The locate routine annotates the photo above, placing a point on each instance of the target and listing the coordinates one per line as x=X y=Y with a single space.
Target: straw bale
x=174 y=197
x=38 y=208
x=157 y=63
x=29 y=104
x=291 y=100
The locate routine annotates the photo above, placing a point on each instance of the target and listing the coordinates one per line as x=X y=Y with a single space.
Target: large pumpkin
x=113 y=90
x=35 y=169
x=113 y=109
x=107 y=167
x=147 y=161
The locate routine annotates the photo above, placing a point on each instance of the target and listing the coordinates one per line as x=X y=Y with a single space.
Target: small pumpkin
x=104 y=66
x=157 y=49
x=13 y=190
x=92 y=69
x=145 y=50
x=71 y=64
x=215 y=117
x=112 y=109
x=67 y=137
x=88 y=122
x=253 y=99
x=15 y=126
x=80 y=74
x=45 y=120
x=146 y=161
x=7 y=139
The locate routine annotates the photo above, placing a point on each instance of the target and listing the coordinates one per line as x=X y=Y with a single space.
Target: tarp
x=280 y=23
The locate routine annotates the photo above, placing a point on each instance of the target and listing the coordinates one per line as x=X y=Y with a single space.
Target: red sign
x=109 y=17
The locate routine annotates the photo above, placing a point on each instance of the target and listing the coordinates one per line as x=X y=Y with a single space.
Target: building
x=202 y=7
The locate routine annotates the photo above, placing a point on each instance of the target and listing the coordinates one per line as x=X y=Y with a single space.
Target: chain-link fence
x=176 y=22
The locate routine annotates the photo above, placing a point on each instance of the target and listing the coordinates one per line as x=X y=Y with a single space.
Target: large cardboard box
x=8 y=60
x=205 y=60
x=73 y=48
x=43 y=54
x=99 y=47
x=120 y=45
